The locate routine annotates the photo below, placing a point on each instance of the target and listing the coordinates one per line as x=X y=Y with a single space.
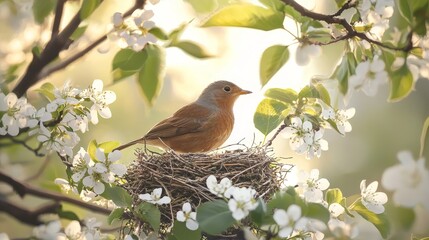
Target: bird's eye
x=227 y=88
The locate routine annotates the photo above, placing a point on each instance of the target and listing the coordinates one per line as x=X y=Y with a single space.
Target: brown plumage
x=200 y=126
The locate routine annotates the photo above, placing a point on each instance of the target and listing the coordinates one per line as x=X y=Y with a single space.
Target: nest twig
x=183 y=176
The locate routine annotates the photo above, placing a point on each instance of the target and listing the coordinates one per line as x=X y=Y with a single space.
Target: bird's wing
x=190 y=118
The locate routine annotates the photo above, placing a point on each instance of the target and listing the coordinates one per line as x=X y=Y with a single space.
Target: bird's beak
x=243 y=92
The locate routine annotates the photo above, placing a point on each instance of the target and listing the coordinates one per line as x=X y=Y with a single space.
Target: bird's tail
x=128 y=144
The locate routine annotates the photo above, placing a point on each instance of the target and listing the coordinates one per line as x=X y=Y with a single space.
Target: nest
x=183 y=176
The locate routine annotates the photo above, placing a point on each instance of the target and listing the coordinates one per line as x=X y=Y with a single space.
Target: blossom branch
x=283 y=126
x=23 y=189
x=36 y=70
x=58 y=16
x=351 y=32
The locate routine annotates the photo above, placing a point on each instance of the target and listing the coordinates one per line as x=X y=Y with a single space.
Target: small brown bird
x=200 y=126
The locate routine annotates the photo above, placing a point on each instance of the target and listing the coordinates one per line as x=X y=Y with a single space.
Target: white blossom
x=409 y=180
x=312 y=186
x=101 y=99
x=72 y=231
x=304 y=139
x=18 y=114
x=369 y=75
x=305 y=52
x=242 y=201
x=4 y=236
x=81 y=162
x=342 y=230
x=155 y=197
x=288 y=220
x=340 y=117
x=336 y=209
x=187 y=216
x=218 y=189
x=65 y=185
x=372 y=199
x=49 y=231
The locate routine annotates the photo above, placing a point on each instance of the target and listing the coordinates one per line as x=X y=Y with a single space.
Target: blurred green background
x=380 y=129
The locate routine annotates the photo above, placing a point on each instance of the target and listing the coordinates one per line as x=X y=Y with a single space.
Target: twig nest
x=183 y=176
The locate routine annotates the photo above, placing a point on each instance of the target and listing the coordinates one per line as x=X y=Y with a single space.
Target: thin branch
x=23 y=189
x=351 y=32
x=25 y=215
x=349 y=4
x=58 y=16
x=61 y=65
x=37 y=69
x=28 y=147
x=40 y=171
x=283 y=126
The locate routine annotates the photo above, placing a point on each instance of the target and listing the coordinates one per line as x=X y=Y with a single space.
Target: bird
x=200 y=126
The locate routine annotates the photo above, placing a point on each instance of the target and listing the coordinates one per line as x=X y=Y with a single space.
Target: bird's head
x=221 y=94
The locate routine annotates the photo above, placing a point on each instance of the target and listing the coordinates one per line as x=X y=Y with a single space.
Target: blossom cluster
x=133 y=32
x=241 y=200
x=74 y=230
x=311 y=188
x=375 y=15
x=305 y=133
x=56 y=124
x=369 y=75
x=186 y=215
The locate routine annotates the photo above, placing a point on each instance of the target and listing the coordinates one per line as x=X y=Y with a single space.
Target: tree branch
x=57 y=19
x=36 y=69
x=27 y=216
x=351 y=32
x=23 y=189
x=283 y=126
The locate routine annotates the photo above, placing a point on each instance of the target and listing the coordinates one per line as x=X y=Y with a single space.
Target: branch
x=283 y=126
x=37 y=69
x=61 y=65
x=27 y=216
x=23 y=189
x=57 y=19
x=351 y=32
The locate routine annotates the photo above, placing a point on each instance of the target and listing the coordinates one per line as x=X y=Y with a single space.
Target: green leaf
x=181 y=232
x=281 y=200
x=152 y=72
x=258 y=214
x=322 y=35
x=118 y=195
x=115 y=214
x=323 y=93
x=129 y=60
x=214 y=217
x=273 y=4
x=92 y=148
x=340 y=3
x=292 y=13
x=424 y=137
x=42 y=8
x=309 y=91
x=273 y=58
x=334 y=195
x=344 y=70
x=247 y=15
x=287 y=95
x=405 y=10
x=269 y=114
x=380 y=221
x=317 y=211
x=88 y=7
x=402 y=83
x=159 y=33
x=176 y=33
x=78 y=33
x=67 y=215
x=421 y=14
x=149 y=213
x=402 y=218
x=119 y=74
x=192 y=49
x=109 y=146
x=205 y=6
x=47 y=90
